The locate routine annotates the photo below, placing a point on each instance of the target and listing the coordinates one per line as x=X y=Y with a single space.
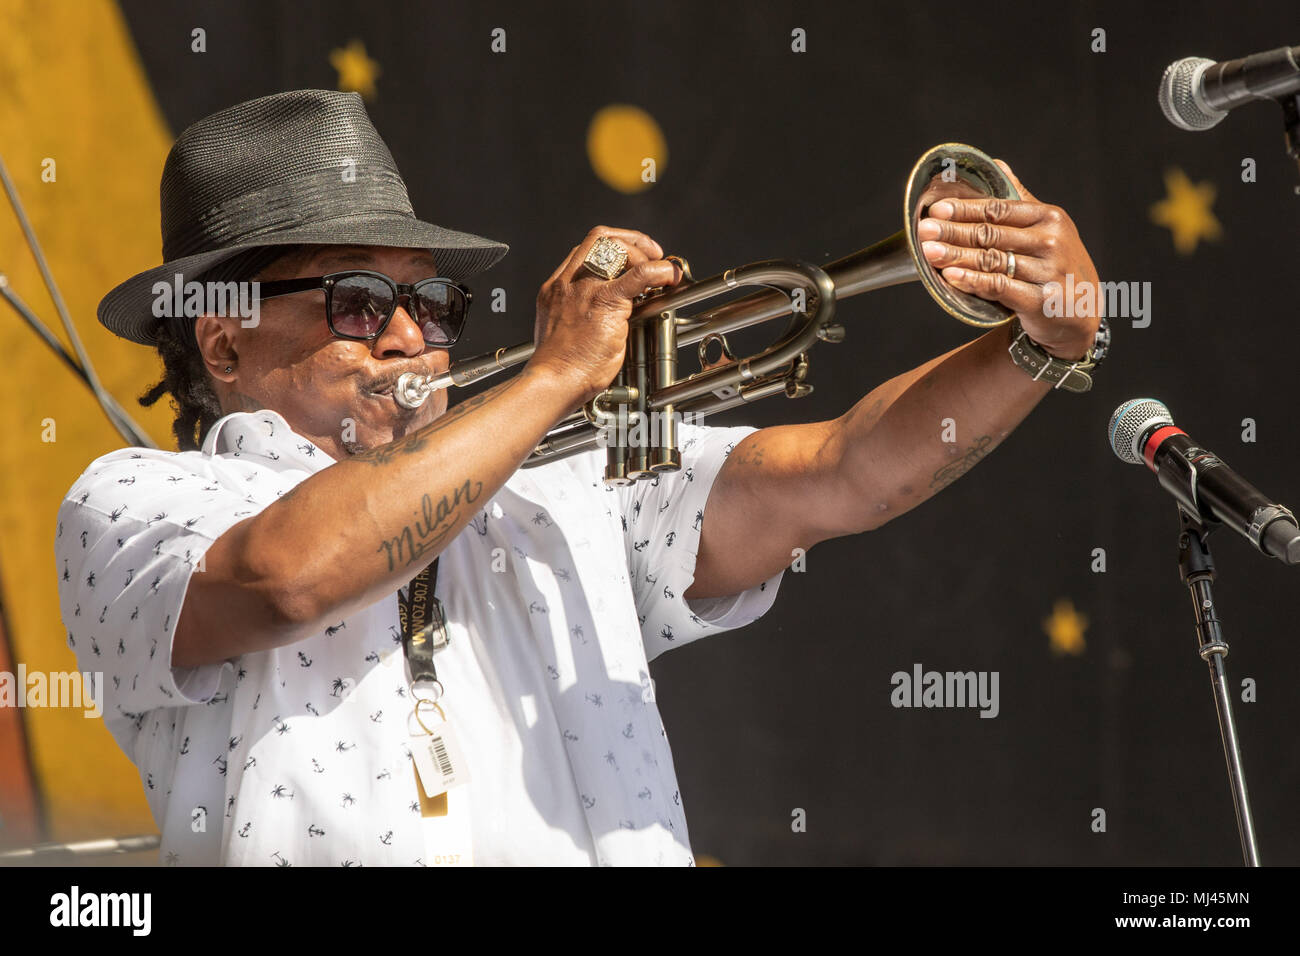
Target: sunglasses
x=359 y=304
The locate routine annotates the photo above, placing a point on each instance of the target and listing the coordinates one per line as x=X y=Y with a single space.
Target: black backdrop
x=773 y=153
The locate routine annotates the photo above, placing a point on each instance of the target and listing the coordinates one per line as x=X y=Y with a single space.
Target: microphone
x=1142 y=430
x=1196 y=93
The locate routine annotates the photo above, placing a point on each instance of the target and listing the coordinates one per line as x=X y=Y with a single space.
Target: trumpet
x=635 y=418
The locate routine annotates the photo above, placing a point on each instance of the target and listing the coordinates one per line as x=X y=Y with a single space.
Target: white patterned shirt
x=557 y=595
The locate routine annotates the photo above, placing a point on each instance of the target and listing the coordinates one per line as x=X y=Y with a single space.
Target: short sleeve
x=663 y=519
x=131 y=532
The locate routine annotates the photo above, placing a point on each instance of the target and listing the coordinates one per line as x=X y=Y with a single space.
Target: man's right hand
x=581 y=329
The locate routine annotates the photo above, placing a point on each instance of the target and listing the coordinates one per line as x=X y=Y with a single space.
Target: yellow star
x=1185 y=211
x=1065 y=628
x=357 y=72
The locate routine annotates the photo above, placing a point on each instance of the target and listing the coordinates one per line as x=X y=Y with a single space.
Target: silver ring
x=427 y=691
x=1011 y=265
x=607 y=258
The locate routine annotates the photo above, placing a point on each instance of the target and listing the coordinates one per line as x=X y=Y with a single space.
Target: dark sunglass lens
x=440 y=312
x=360 y=304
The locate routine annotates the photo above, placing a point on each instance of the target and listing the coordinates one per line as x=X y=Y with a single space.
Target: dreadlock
x=193 y=400
x=185 y=376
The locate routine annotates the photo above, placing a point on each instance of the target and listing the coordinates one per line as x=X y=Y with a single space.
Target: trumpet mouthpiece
x=410 y=390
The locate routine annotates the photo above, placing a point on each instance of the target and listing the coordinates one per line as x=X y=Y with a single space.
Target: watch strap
x=1030 y=356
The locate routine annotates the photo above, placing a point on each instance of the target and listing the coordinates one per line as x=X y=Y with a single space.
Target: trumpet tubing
x=648 y=392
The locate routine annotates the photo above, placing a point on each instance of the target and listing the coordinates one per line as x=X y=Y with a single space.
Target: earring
x=229 y=368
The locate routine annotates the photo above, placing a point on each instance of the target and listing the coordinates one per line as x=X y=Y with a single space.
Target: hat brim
x=128 y=310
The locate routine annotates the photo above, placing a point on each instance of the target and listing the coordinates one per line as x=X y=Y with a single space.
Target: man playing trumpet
x=339 y=631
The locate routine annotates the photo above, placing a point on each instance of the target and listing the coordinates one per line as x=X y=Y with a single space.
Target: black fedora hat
x=306 y=166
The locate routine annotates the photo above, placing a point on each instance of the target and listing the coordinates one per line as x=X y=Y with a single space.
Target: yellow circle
x=626 y=148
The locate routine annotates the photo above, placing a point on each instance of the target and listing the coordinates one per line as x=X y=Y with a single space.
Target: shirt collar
x=264 y=434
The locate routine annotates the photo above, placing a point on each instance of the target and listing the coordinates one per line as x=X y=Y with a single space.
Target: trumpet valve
x=795 y=384
x=665 y=460
x=616 y=395
x=657 y=290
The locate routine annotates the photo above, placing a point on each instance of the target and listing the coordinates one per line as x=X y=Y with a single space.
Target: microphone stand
x=125 y=426
x=1197 y=570
x=69 y=854
x=83 y=369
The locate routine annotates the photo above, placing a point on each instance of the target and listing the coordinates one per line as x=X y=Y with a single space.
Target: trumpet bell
x=953 y=170
x=948 y=171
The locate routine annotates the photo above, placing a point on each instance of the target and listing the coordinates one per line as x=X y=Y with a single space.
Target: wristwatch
x=1071 y=376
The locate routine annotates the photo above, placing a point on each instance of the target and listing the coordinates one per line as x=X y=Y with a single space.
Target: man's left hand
x=969 y=241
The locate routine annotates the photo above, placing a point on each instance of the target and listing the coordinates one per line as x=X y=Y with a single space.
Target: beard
x=401 y=425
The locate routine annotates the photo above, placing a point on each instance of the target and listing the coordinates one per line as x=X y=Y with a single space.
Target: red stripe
x=1156 y=440
x=19 y=800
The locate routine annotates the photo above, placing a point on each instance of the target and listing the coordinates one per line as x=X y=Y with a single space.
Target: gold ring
x=607 y=258
x=435 y=706
x=1011 y=265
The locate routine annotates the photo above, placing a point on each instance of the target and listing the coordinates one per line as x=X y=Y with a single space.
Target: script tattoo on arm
x=416 y=441
x=949 y=473
x=431 y=526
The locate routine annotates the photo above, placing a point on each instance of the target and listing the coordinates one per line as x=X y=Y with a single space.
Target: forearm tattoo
x=419 y=440
x=431 y=526
x=950 y=472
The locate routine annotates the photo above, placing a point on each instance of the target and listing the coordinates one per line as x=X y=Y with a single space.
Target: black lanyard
x=424 y=625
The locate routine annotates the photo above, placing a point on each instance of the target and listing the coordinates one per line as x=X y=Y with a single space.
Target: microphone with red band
x=1142 y=431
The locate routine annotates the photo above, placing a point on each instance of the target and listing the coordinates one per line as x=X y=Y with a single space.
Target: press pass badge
x=441 y=775
x=439 y=760
x=449 y=839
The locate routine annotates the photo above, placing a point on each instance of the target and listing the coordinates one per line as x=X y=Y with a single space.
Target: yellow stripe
x=74 y=92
